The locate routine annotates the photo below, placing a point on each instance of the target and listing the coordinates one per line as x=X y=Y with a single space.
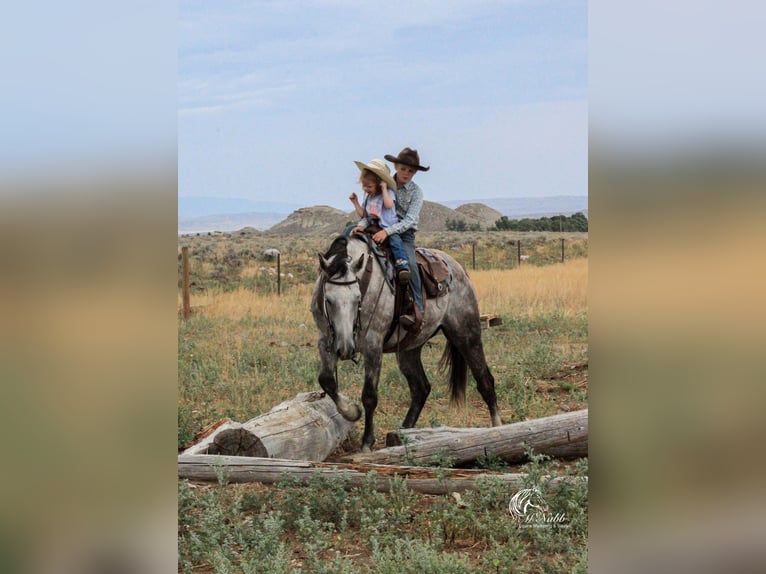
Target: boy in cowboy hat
x=378 y=210
x=408 y=204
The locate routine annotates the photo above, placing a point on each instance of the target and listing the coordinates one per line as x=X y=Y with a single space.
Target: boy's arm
x=411 y=218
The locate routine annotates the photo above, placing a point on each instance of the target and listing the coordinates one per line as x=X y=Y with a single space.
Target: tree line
x=574 y=222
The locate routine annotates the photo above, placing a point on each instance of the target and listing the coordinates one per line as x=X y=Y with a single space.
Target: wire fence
x=273 y=274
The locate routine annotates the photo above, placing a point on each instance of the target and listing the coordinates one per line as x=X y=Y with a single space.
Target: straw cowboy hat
x=408 y=157
x=379 y=168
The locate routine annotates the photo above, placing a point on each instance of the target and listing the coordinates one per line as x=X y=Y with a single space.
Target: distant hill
x=320 y=219
x=479 y=213
x=228 y=222
x=433 y=217
x=521 y=207
x=286 y=218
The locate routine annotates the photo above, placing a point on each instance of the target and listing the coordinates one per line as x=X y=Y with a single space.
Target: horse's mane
x=338 y=265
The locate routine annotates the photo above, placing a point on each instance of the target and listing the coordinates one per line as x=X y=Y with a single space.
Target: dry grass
x=291 y=307
x=244 y=351
x=531 y=290
x=528 y=291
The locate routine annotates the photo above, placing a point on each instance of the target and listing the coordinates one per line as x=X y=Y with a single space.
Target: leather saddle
x=435 y=272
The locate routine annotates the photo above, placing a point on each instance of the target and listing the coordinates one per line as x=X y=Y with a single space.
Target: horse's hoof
x=366 y=449
x=351 y=413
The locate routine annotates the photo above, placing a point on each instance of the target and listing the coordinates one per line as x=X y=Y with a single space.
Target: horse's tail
x=458 y=374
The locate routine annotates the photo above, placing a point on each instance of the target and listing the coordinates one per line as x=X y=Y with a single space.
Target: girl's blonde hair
x=368 y=175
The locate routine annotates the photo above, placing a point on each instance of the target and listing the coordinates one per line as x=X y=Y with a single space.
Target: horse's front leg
x=329 y=360
x=372 y=363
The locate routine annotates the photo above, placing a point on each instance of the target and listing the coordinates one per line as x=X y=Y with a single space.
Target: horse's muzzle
x=345 y=350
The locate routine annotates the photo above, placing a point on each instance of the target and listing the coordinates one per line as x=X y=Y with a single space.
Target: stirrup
x=403 y=276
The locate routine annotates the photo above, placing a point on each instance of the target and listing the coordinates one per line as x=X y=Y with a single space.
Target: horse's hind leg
x=411 y=366
x=485 y=382
x=467 y=341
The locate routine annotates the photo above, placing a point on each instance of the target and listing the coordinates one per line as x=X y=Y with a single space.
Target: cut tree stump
x=213 y=468
x=564 y=433
x=490 y=320
x=308 y=427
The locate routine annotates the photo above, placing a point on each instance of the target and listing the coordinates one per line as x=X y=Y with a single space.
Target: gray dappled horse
x=353 y=308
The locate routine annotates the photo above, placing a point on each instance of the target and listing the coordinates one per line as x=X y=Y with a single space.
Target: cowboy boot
x=408 y=318
x=412 y=322
x=402 y=272
x=418 y=319
x=408 y=321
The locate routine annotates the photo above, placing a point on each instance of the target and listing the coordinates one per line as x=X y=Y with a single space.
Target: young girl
x=379 y=210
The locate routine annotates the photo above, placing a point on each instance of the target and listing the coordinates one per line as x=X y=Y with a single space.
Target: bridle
x=357 y=320
x=363 y=284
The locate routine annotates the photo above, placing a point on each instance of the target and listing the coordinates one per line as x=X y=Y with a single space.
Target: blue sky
x=277 y=98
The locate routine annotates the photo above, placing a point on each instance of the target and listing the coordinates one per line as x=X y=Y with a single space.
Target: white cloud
x=280 y=97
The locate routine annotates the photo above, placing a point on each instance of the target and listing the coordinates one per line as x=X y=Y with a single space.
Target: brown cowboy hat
x=408 y=157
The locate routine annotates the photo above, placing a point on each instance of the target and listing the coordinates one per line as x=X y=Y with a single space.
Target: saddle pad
x=435 y=272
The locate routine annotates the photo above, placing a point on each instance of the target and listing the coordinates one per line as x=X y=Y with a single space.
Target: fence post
x=185 y=267
x=562 y=250
x=473 y=255
x=518 y=252
x=279 y=273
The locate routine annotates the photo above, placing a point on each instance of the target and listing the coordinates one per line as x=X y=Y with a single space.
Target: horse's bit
x=357 y=320
x=363 y=284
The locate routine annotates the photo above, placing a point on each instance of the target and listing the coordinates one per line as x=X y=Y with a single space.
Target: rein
x=364 y=283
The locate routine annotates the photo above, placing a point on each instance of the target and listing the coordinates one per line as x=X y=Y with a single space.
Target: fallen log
x=213 y=468
x=307 y=427
x=400 y=437
x=557 y=433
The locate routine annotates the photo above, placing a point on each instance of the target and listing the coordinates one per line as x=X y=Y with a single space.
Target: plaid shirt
x=409 y=200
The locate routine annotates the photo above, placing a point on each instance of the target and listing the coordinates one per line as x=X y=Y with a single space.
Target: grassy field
x=245 y=349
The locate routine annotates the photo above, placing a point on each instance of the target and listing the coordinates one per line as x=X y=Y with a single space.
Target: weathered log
x=572 y=450
x=307 y=427
x=213 y=468
x=507 y=442
x=400 y=437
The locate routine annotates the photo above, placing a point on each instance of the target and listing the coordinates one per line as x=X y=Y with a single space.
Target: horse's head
x=340 y=297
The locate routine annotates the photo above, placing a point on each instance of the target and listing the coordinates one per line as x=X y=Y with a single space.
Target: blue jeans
x=408 y=240
x=403 y=247
x=395 y=241
x=397 y=248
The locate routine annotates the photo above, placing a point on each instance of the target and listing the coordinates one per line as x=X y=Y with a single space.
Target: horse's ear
x=357 y=267
x=323 y=263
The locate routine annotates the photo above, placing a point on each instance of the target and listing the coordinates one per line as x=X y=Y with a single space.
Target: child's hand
x=383 y=186
x=380 y=236
x=353 y=197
